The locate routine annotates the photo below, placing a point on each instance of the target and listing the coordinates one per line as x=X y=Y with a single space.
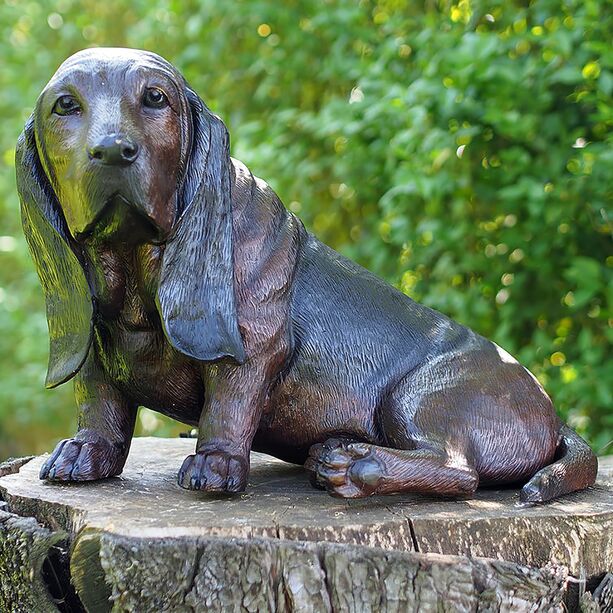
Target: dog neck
x=125 y=279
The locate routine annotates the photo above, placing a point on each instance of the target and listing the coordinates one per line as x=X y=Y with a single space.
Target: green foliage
x=462 y=151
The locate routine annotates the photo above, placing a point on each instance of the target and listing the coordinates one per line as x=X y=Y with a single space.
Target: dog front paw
x=214 y=471
x=346 y=469
x=84 y=460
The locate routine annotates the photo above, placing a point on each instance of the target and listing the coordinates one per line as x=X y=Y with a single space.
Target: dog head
x=119 y=149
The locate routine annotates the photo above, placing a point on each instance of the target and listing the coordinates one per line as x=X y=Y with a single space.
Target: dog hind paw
x=345 y=469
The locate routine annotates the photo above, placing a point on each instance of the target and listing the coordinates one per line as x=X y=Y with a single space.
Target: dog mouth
x=120 y=220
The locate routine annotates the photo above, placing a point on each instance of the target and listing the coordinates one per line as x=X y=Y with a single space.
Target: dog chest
x=149 y=370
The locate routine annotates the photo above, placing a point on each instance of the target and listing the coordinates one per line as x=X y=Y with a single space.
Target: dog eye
x=155 y=98
x=66 y=105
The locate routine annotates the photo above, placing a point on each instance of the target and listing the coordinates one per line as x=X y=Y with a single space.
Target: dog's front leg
x=235 y=397
x=105 y=425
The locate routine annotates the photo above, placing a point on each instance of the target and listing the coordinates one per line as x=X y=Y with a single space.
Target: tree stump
x=140 y=543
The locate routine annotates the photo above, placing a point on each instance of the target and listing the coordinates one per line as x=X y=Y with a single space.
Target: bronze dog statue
x=176 y=280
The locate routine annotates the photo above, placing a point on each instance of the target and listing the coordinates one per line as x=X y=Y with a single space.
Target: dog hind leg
x=354 y=470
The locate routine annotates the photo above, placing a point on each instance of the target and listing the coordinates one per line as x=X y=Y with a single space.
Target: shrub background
x=462 y=151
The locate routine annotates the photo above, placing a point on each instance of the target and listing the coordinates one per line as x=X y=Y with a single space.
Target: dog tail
x=574 y=469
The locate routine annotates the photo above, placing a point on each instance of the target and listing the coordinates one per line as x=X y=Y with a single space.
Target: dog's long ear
x=196 y=294
x=67 y=294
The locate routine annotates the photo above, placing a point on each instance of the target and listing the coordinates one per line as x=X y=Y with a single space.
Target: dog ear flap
x=196 y=293
x=67 y=294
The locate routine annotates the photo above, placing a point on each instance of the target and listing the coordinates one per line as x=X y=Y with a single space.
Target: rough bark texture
x=25 y=552
x=601 y=600
x=12 y=465
x=212 y=574
x=140 y=543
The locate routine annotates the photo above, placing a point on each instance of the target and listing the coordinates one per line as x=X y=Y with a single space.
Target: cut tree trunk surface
x=139 y=542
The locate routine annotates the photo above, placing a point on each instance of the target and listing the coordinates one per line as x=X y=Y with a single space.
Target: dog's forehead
x=106 y=61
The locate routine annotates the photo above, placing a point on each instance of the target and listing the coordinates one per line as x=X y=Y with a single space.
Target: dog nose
x=114 y=150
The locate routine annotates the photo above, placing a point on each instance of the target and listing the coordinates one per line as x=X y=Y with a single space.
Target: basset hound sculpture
x=176 y=280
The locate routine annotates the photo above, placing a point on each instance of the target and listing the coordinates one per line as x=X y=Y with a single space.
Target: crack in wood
x=413 y=535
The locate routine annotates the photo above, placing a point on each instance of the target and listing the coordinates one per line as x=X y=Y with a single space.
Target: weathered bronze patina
x=177 y=280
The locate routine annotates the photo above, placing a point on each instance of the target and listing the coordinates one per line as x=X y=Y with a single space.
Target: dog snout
x=114 y=150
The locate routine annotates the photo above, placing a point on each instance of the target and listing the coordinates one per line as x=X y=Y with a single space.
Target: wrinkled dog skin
x=176 y=280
